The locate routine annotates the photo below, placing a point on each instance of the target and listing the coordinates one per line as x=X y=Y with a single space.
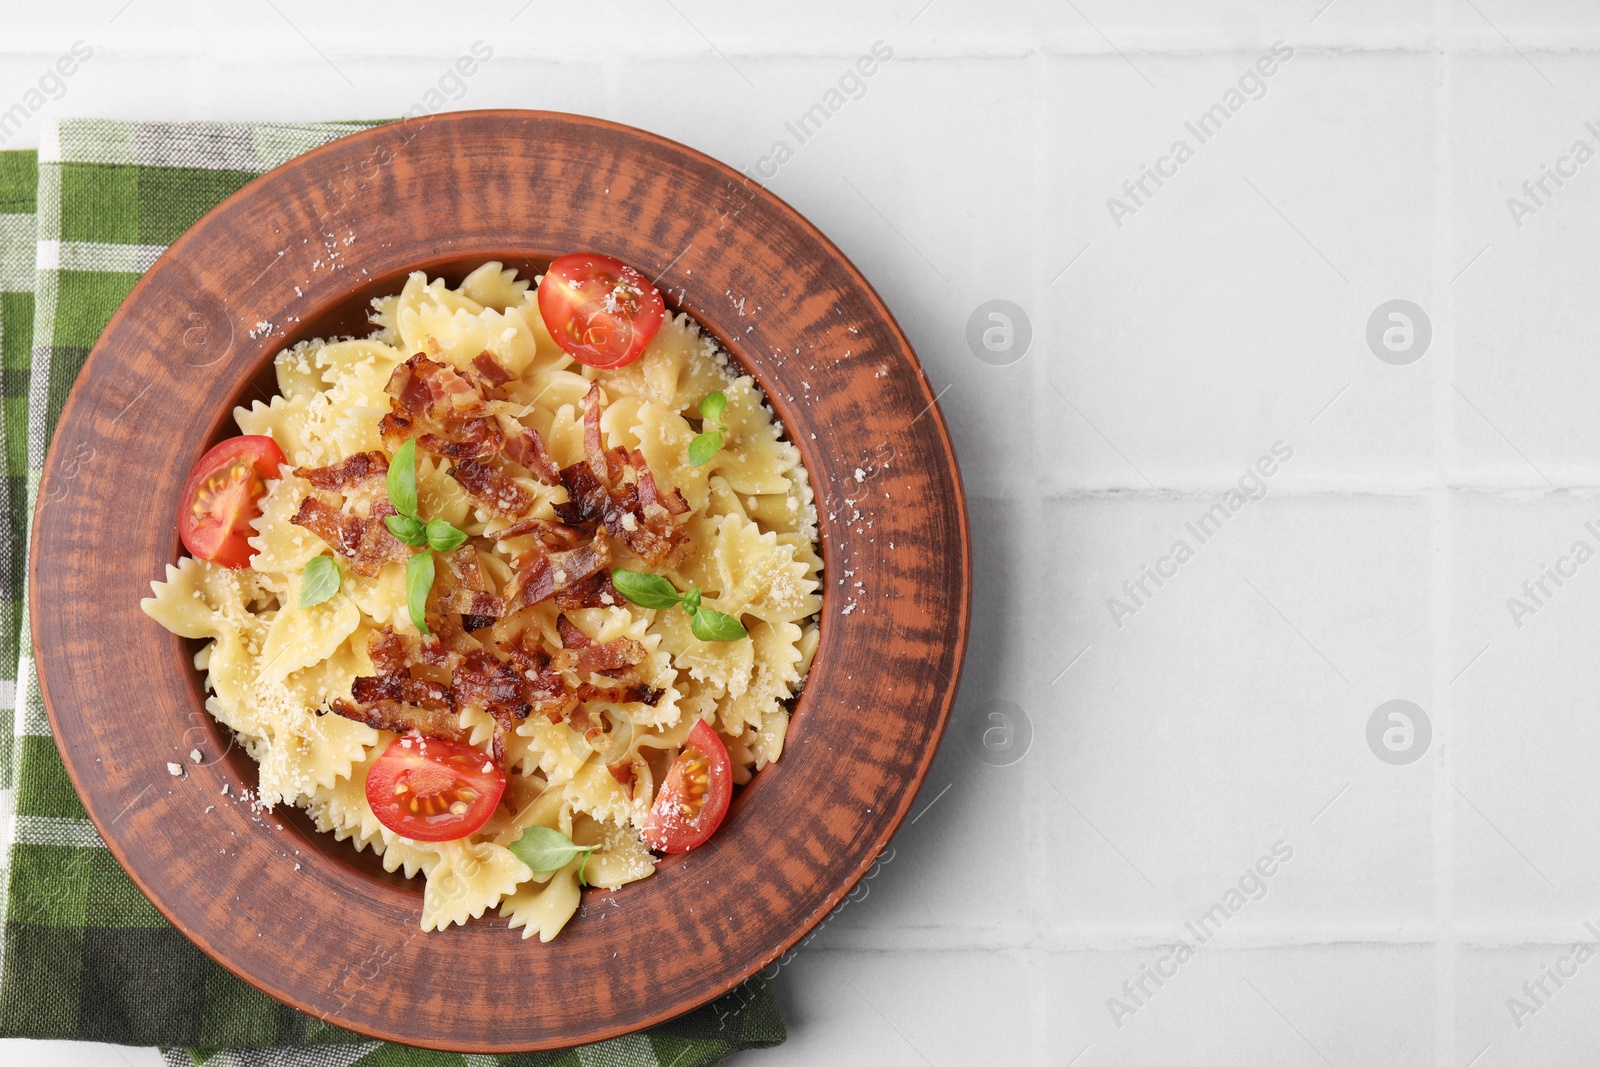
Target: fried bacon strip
x=596 y=658
x=491 y=370
x=595 y=591
x=425 y=387
x=354 y=470
x=400 y=688
x=524 y=445
x=486 y=486
x=471 y=439
x=649 y=495
x=403 y=718
x=638 y=693
x=545 y=575
x=461 y=590
x=442 y=409
x=649 y=530
x=552 y=535
x=458 y=600
x=633 y=509
x=366 y=543
x=587 y=499
x=410 y=691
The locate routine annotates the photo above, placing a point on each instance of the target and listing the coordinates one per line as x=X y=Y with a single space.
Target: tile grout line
x=1440 y=567
x=1037 y=834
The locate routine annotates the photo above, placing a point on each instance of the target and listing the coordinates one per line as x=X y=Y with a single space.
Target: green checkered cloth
x=82 y=954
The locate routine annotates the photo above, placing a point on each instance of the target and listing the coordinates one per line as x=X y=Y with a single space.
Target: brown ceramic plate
x=337 y=937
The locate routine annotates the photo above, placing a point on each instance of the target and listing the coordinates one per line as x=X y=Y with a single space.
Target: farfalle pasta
x=438 y=561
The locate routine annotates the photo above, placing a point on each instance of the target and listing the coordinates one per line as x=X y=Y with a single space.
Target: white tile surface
x=1228 y=712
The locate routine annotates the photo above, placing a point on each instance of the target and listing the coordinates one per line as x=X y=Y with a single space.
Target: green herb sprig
x=705 y=446
x=545 y=850
x=433 y=535
x=319 y=581
x=654 y=591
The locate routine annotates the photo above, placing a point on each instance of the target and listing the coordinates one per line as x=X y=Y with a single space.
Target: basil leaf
x=710 y=625
x=319 y=581
x=407 y=529
x=704 y=447
x=712 y=407
x=691 y=600
x=419 y=580
x=645 y=590
x=584 y=866
x=544 y=849
x=403 y=479
x=443 y=537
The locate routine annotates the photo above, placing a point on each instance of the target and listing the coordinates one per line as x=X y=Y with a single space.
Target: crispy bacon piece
x=404 y=718
x=485 y=682
x=595 y=591
x=524 y=445
x=366 y=543
x=424 y=656
x=587 y=499
x=400 y=688
x=474 y=439
x=622 y=771
x=388 y=651
x=493 y=373
x=488 y=487
x=460 y=589
x=639 y=693
x=615 y=655
x=552 y=535
x=465 y=560
x=593 y=453
x=649 y=495
x=355 y=470
x=428 y=388
x=441 y=408
x=571 y=636
x=543 y=576
x=594 y=657
x=464 y=602
x=396 y=698
x=636 y=512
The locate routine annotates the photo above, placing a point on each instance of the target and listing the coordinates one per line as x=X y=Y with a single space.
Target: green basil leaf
x=710 y=625
x=691 y=600
x=406 y=528
x=319 y=581
x=645 y=590
x=443 y=537
x=712 y=407
x=583 y=867
x=544 y=849
x=419 y=581
x=403 y=479
x=704 y=448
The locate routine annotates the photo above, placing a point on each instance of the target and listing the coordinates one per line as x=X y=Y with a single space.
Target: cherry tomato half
x=433 y=790
x=600 y=311
x=694 y=798
x=223 y=494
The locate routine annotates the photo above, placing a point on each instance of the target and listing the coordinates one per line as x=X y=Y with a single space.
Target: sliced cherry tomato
x=223 y=495
x=694 y=798
x=433 y=790
x=600 y=311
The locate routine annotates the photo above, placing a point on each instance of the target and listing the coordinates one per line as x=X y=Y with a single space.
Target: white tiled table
x=1228 y=712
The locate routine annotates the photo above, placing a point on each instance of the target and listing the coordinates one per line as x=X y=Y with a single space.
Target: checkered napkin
x=82 y=954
